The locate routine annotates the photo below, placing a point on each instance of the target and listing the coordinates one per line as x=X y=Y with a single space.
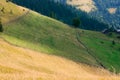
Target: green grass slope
x=47 y=35
x=103 y=48
x=41 y=33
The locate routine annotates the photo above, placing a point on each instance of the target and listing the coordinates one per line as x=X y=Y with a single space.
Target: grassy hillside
x=103 y=48
x=9 y=11
x=44 y=34
x=23 y=64
x=41 y=33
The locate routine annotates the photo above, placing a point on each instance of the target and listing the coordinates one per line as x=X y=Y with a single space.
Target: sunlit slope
x=41 y=33
x=47 y=35
x=10 y=11
x=23 y=64
x=105 y=49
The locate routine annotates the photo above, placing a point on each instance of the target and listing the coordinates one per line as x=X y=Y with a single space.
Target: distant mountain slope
x=104 y=10
x=85 y=5
x=108 y=11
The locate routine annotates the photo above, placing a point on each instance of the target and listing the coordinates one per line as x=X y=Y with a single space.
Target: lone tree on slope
x=113 y=42
x=76 y=22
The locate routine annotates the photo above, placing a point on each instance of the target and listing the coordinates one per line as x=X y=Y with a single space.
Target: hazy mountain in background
x=107 y=11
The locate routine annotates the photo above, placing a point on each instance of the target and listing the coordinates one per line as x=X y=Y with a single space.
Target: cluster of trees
x=64 y=13
x=76 y=22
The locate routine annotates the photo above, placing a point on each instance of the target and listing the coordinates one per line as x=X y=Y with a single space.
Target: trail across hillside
x=87 y=49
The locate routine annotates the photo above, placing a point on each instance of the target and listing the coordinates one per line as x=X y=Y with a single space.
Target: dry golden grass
x=23 y=64
x=11 y=11
x=85 y=5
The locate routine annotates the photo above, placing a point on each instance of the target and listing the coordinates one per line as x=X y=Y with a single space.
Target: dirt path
x=88 y=51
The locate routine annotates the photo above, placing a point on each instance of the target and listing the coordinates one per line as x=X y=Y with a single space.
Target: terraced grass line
x=87 y=49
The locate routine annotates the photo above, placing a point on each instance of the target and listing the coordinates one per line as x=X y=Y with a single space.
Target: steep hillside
x=23 y=64
x=41 y=33
x=63 y=12
x=9 y=11
x=46 y=35
x=107 y=11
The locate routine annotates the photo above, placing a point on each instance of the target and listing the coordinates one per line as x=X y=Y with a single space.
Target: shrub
x=113 y=42
x=1 y=26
